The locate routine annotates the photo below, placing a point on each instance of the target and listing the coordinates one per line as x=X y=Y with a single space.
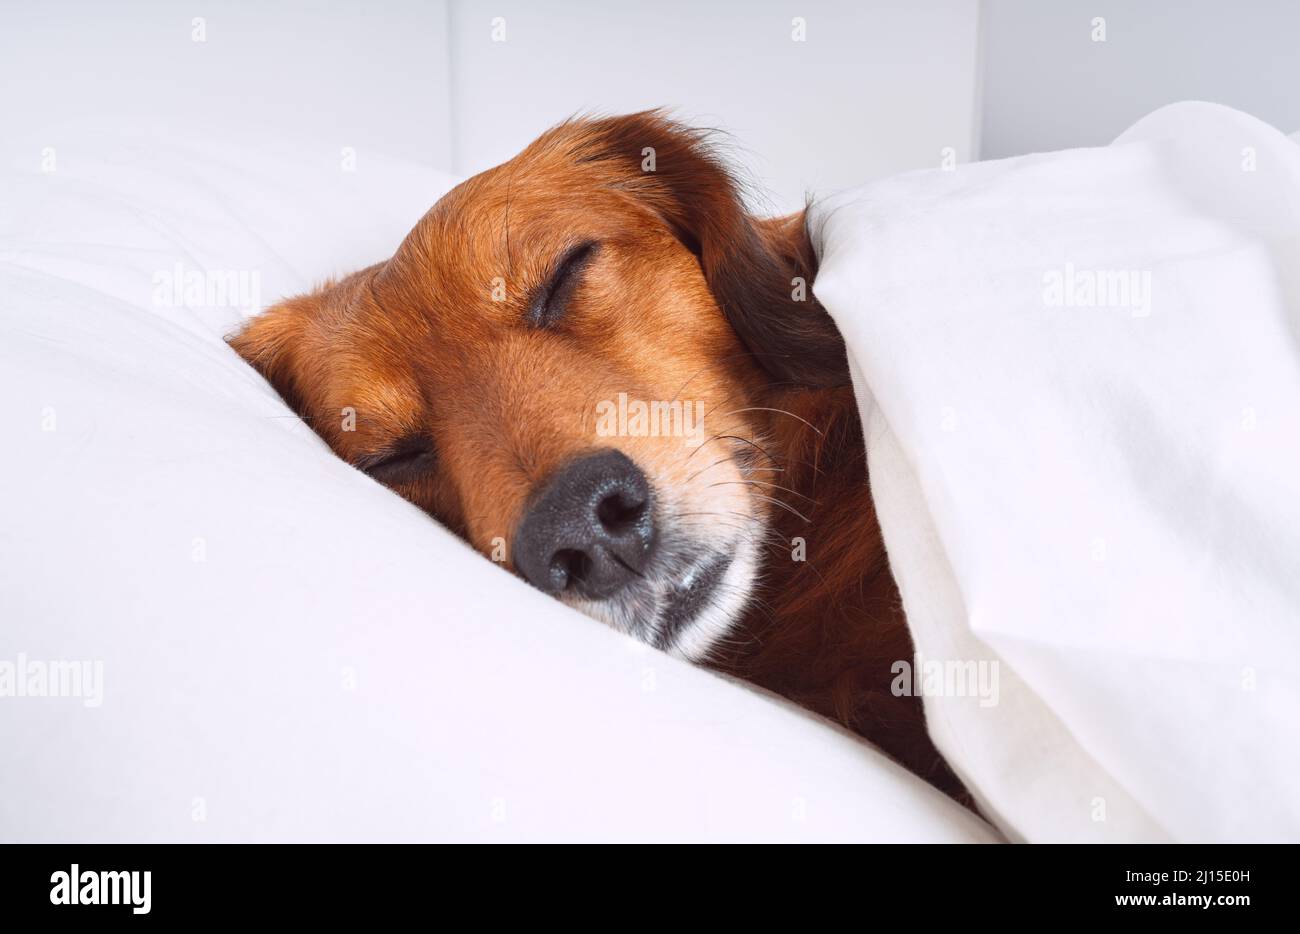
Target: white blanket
x=1079 y=374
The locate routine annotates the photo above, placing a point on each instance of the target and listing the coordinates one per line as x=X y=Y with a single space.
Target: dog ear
x=272 y=344
x=760 y=271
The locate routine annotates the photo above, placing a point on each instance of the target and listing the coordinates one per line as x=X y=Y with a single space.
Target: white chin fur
x=714 y=622
x=698 y=638
x=639 y=612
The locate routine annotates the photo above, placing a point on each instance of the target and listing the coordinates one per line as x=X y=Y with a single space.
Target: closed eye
x=549 y=303
x=402 y=462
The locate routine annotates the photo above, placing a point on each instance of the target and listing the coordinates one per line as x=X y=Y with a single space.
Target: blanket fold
x=1079 y=375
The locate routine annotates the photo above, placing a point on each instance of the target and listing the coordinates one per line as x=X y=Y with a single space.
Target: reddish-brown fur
x=688 y=291
x=834 y=624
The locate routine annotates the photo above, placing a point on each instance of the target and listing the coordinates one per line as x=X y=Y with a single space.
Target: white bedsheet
x=286 y=650
x=1098 y=495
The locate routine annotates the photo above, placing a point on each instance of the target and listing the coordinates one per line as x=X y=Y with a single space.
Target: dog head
x=566 y=362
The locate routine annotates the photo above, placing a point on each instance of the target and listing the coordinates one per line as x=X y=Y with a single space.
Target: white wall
x=876 y=87
x=346 y=72
x=1047 y=85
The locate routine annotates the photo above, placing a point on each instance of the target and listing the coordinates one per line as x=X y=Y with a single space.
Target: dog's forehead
x=481 y=249
x=516 y=205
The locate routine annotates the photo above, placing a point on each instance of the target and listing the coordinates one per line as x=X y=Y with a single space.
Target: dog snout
x=590 y=530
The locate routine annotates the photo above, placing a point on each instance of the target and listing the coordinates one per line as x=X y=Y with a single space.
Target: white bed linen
x=1101 y=497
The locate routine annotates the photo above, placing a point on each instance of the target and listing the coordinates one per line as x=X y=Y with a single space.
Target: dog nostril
x=619 y=510
x=590 y=530
x=572 y=566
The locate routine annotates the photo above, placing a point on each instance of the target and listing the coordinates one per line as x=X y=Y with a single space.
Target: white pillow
x=288 y=650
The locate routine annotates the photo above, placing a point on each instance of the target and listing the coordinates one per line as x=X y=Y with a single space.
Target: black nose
x=589 y=530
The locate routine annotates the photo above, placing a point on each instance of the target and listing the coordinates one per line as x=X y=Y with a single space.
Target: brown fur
x=833 y=624
x=687 y=295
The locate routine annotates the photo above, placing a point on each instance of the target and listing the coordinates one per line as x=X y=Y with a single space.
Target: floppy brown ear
x=760 y=271
x=272 y=345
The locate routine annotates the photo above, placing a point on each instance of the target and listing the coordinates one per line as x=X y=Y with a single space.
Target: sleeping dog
x=596 y=367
